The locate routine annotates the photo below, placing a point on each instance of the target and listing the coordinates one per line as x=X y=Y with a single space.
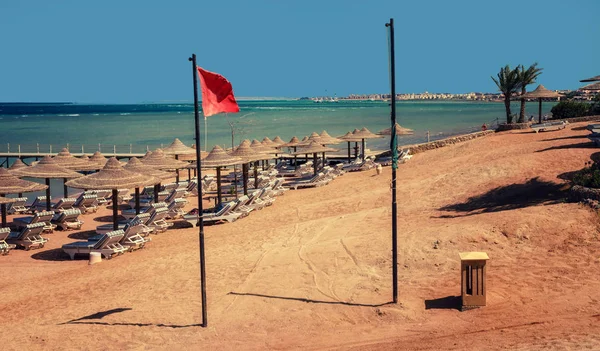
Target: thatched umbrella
x=248 y=155
x=158 y=160
x=364 y=134
x=268 y=142
x=314 y=148
x=326 y=139
x=113 y=176
x=47 y=169
x=263 y=149
x=593 y=79
x=218 y=158
x=278 y=141
x=98 y=158
x=593 y=86
x=10 y=184
x=3 y=202
x=349 y=137
x=177 y=148
x=68 y=161
x=136 y=166
x=293 y=143
x=18 y=164
x=539 y=93
x=399 y=131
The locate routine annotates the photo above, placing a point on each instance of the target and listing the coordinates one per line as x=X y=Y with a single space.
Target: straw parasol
x=364 y=134
x=268 y=142
x=18 y=164
x=593 y=86
x=278 y=141
x=539 y=93
x=3 y=202
x=314 y=148
x=293 y=143
x=218 y=158
x=178 y=148
x=261 y=148
x=113 y=176
x=349 y=137
x=47 y=169
x=399 y=131
x=10 y=184
x=68 y=161
x=158 y=160
x=98 y=158
x=326 y=139
x=248 y=155
x=593 y=79
x=136 y=166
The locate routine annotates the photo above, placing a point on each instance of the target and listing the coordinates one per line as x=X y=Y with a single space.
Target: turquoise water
x=136 y=127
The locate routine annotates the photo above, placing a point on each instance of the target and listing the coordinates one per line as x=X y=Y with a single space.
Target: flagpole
x=394 y=148
x=200 y=222
x=205 y=135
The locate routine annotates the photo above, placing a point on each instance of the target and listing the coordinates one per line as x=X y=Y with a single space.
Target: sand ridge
x=313 y=270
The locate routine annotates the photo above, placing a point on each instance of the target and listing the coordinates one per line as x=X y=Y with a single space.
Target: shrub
x=589 y=176
x=566 y=109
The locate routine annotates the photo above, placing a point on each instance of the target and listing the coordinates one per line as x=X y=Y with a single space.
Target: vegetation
x=526 y=77
x=589 y=176
x=511 y=81
x=566 y=109
x=508 y=83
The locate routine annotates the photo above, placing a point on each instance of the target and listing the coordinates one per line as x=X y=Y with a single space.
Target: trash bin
x=473 y=279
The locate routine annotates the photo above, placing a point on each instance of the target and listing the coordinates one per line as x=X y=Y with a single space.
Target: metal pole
x=65 y=191
x=315 y=162
x=540 y=109
x=255 y=174
x=177 y=171
x=245 y=177
x=137 y=201
x=349 y=157
x=48 y=204
x=219 y=197
x=3 y=215
x=199 y=171
x=115 y=205
x=394 y=147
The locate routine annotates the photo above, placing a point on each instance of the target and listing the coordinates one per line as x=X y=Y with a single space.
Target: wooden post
x=137 y=201
x=115 y=205
x=219 y=196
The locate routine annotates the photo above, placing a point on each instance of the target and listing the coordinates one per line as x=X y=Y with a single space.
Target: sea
x=124 y=128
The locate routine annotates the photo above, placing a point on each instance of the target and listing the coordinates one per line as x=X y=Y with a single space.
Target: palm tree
x=526 y=77
x=508 y=83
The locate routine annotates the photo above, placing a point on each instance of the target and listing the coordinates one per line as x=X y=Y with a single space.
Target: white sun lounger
x=315 y=181
x=39 y=217
x=18 y=206
x=68 y=219
x=130 y=213
x=158 y=220
x=548 y=126
x=132 y=239
x=142 y=218
x=108 y=245
x=4 y=246
x=29 y=236
x=224 y=214
x=86 y=203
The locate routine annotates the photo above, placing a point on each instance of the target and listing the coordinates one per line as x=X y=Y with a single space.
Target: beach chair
x=18 y=206
x=130 y=213
x=4 y=246
x=28 y=237
x=548 y=126
x=146 y=201
x=132 y=239
x=224 y=214
x=192 y=188
x=68 y=219
x=102 y=196
x=123 y=196
x=169 y=187
x=86 y=203
x=158 y=220
x=38 y=203
x=142 y=218
x=240 y=206
x=313 y=182
x=64 y=204
x=43 y=217
x=176 y=208
x=107 y=245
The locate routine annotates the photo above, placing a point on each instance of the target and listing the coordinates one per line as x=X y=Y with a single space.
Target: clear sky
x=136 y=51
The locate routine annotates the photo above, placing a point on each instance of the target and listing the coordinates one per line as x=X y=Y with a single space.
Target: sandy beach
x=313 y=271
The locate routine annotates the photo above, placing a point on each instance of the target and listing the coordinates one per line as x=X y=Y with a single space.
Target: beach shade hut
x=293 y=144
x=68 y=161
x=268 y=142
x=593 y=79
x=3 y=202
x=18 y=164
x=99 y=159
x=113 y=176
x=136 y=166
x=179 y=149
x=364 y=134
x=399 y=131
x=146 y=155
x=218 y=158
x=314 y=148
x=47 y=169
x=593 y=86
x=11 y=184
x=278 y=141
x=248 y=155
x=349 y=137
x=158 y=160
x=540 y=93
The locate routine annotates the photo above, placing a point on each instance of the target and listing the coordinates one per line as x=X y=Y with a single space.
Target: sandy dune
x=313 y=271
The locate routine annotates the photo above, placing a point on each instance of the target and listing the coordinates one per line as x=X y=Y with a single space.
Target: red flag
x=217 y=94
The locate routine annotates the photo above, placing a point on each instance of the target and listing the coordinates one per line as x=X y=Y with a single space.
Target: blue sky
x=136 y=51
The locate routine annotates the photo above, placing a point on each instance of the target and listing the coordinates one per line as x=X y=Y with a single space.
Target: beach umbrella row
x=11 y=184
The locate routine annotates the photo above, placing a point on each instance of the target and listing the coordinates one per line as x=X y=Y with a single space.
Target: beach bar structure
x=473 y=279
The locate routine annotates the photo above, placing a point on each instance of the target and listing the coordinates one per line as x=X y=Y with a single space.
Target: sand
x=313 y=271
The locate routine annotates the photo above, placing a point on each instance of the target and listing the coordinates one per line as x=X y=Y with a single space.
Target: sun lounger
x=86 y=203
x=593 y=126
x=240 y=206
x=135 y=236
x=548 y=126
x=107 y=245
x=130 y=213
x=146 y=201
x=38 y=204
x=158 y=220
x=28 y=237
x=224 y=214
x=18 y=206
x=176 y=208
x=315 y=181
x=142 y=218
x=39 y=217
x=4 y=246
x=68 y=219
